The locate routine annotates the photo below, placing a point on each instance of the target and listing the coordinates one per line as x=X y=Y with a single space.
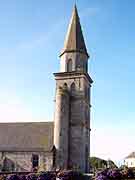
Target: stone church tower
x=72 y=101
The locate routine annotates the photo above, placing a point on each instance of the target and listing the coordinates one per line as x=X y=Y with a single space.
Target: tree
x=98 y=163
x=111 y=164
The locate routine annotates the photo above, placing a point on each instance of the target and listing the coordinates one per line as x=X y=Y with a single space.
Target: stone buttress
x=61 y=126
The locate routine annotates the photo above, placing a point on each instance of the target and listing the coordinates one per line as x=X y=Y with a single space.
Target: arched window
x=72 y=87
x=65 y=86
x=35 y=160
x=8 y=165
x=78 y=64
x=54 y=156
x=69 y=65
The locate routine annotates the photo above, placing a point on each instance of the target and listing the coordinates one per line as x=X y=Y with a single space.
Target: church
x=64 y=143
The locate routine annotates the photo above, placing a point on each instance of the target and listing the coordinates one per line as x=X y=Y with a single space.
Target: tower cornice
x=71 y=75
x=74 y=51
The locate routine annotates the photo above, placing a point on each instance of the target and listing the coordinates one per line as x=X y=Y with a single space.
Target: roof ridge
x=26 y=122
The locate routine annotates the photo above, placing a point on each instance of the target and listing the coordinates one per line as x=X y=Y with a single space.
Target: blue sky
x=31 y=36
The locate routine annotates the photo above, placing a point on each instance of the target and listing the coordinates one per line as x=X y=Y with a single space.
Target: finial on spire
x=75 y=6
x=74 y=41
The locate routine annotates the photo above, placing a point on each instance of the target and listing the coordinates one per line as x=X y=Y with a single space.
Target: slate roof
x=35 y=136
x=131 y=155
x=74 y=41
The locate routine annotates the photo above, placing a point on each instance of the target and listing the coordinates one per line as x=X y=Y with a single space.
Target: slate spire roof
x=74 y=41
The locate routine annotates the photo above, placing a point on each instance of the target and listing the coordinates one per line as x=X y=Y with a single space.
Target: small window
x=73 y=88
x=78 y=65
x=54 y=157
x=8 y=165
x=35 y=160
x=69 y=65
x=65 y=86
x=86 y=158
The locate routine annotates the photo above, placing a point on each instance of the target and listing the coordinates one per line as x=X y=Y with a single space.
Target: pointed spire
x=74 y=41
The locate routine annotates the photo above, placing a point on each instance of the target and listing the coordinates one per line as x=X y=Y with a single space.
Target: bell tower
x=72 y=102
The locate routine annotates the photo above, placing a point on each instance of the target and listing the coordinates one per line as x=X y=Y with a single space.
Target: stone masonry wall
x=22 y=160
x=79 y=140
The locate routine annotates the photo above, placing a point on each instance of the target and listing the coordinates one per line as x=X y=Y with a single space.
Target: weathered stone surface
x=22 y=160
x=73 y=67
x=61 y=126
